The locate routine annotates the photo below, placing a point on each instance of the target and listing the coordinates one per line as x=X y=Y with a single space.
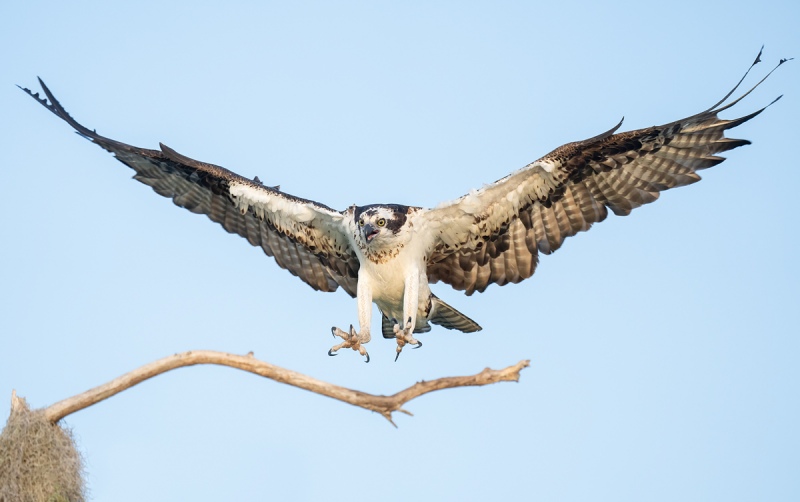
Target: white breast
x=387 y=281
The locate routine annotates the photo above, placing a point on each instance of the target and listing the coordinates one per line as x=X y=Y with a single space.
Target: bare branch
x=385 y=405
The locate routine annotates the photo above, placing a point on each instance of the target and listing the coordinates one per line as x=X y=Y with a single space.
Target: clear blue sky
x=664 y=345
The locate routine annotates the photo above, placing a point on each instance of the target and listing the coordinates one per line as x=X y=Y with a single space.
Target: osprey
x=390 y=253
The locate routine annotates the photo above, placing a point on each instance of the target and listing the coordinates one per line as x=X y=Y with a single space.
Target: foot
x=352 y=340
x=405 y=336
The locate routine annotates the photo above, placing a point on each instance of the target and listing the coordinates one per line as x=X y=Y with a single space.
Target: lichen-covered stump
x=39 y=461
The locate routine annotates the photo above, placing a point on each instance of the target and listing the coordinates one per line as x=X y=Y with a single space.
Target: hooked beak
x=369 y=232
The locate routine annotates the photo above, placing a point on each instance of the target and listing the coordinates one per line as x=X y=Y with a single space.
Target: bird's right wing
x=305 y=237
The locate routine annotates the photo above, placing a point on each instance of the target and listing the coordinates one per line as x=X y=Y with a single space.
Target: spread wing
x=305 y=237
x=494 y=235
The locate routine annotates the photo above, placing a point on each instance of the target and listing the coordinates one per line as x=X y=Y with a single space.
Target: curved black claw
x=333 y=331
x=367 y=354
x=395 y=357
x=330 y=353
x=419 y=344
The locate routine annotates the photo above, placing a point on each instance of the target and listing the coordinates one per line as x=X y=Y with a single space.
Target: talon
x=352 y=340
x=405 y=337
x=367 y=358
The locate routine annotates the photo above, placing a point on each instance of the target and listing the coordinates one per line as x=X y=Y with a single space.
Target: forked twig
x=385 y=405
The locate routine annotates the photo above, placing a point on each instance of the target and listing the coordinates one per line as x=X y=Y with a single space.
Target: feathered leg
x=405 y=335
x=355 y=340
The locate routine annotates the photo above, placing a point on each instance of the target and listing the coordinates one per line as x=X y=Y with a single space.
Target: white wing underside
x=494 y=235
x=305 y=237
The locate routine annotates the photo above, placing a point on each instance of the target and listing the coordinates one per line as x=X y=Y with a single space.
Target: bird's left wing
x=307 y=238
x=493 y=235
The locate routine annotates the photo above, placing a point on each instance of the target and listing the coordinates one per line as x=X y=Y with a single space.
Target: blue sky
x=664 y=345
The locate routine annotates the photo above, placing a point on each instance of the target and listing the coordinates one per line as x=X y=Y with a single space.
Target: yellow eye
x=381 y=222
x=361 y=223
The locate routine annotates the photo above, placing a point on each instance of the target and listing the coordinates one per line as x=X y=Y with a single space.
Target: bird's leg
x=352 y=340
x=405 y=335
x=355 y=339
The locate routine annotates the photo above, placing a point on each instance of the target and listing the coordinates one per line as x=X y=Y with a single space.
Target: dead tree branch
x=385 y=405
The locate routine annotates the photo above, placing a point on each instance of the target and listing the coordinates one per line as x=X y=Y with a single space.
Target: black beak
x=369 y=232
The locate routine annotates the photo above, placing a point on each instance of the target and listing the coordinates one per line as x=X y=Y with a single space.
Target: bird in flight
x=389 y=254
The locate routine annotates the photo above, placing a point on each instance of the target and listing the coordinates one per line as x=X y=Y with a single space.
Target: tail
x=442 y=314
x=446 y=316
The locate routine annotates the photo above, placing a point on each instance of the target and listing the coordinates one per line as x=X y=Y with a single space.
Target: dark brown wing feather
x=315 y=251
x=494 y=235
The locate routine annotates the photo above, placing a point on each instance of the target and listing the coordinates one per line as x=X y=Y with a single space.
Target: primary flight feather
x=390 y=253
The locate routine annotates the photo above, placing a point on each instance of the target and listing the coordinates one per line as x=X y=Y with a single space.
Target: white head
x=380 y=227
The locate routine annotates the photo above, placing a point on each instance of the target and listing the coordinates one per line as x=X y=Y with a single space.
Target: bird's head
x=378 y=225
